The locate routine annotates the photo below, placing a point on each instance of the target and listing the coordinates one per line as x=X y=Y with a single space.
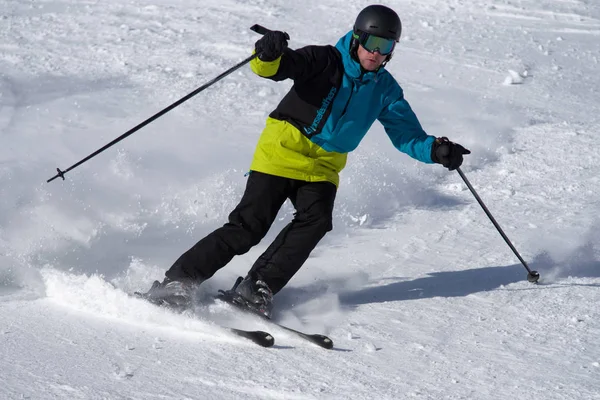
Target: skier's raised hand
x=271 y=45
x=448 y=153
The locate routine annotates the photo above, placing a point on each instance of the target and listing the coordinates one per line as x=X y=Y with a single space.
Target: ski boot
x=176 y=295
x=250 y=295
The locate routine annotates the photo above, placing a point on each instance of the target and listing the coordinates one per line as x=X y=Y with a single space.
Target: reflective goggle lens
x=373 y=43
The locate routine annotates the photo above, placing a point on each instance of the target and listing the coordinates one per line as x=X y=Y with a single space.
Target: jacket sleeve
x=298 y=65
x=404 y=129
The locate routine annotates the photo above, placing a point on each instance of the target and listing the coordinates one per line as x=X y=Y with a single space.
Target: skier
x=338 y=92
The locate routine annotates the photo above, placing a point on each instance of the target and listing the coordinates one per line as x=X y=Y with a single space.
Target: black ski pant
x=250 y=221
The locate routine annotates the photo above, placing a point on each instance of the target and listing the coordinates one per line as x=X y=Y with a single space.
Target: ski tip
x=261 y=338
x=321 y=340
x=327 y=343
x=265 y=340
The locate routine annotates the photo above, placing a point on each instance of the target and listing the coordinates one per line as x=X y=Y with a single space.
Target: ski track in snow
x=418 y=291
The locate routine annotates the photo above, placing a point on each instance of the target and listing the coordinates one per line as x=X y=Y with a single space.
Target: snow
x=420 y=294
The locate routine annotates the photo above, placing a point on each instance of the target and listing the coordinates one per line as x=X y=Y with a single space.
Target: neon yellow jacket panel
x=283 y=151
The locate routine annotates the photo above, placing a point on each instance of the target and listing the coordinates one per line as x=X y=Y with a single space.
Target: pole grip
x=261 y=30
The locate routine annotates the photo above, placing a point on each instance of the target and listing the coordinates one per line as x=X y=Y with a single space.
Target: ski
x=261 y=338
x=318 y=339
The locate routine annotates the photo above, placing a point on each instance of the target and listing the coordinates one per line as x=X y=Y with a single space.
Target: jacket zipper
x=349 y=98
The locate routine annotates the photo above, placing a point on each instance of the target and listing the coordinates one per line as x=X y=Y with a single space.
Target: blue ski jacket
x=328 y=111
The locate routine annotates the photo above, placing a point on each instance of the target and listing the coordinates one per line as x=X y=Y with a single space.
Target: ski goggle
x=373 y=43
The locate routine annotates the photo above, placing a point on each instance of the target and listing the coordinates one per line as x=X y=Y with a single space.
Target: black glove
x=447 y=153
x=271 y=45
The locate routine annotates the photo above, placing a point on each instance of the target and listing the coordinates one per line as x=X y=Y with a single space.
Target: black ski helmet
x=380 y=21
x=376 y=20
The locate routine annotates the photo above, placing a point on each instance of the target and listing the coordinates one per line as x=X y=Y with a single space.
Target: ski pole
x=532 y=276
x=256 y=28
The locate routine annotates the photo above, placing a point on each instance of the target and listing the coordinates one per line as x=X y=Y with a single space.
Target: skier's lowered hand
x=448 y=153
x=271 y=46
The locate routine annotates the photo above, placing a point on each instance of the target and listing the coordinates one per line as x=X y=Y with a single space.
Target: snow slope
x=422 y=297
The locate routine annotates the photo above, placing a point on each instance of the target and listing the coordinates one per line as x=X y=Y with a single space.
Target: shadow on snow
x=440 y=284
